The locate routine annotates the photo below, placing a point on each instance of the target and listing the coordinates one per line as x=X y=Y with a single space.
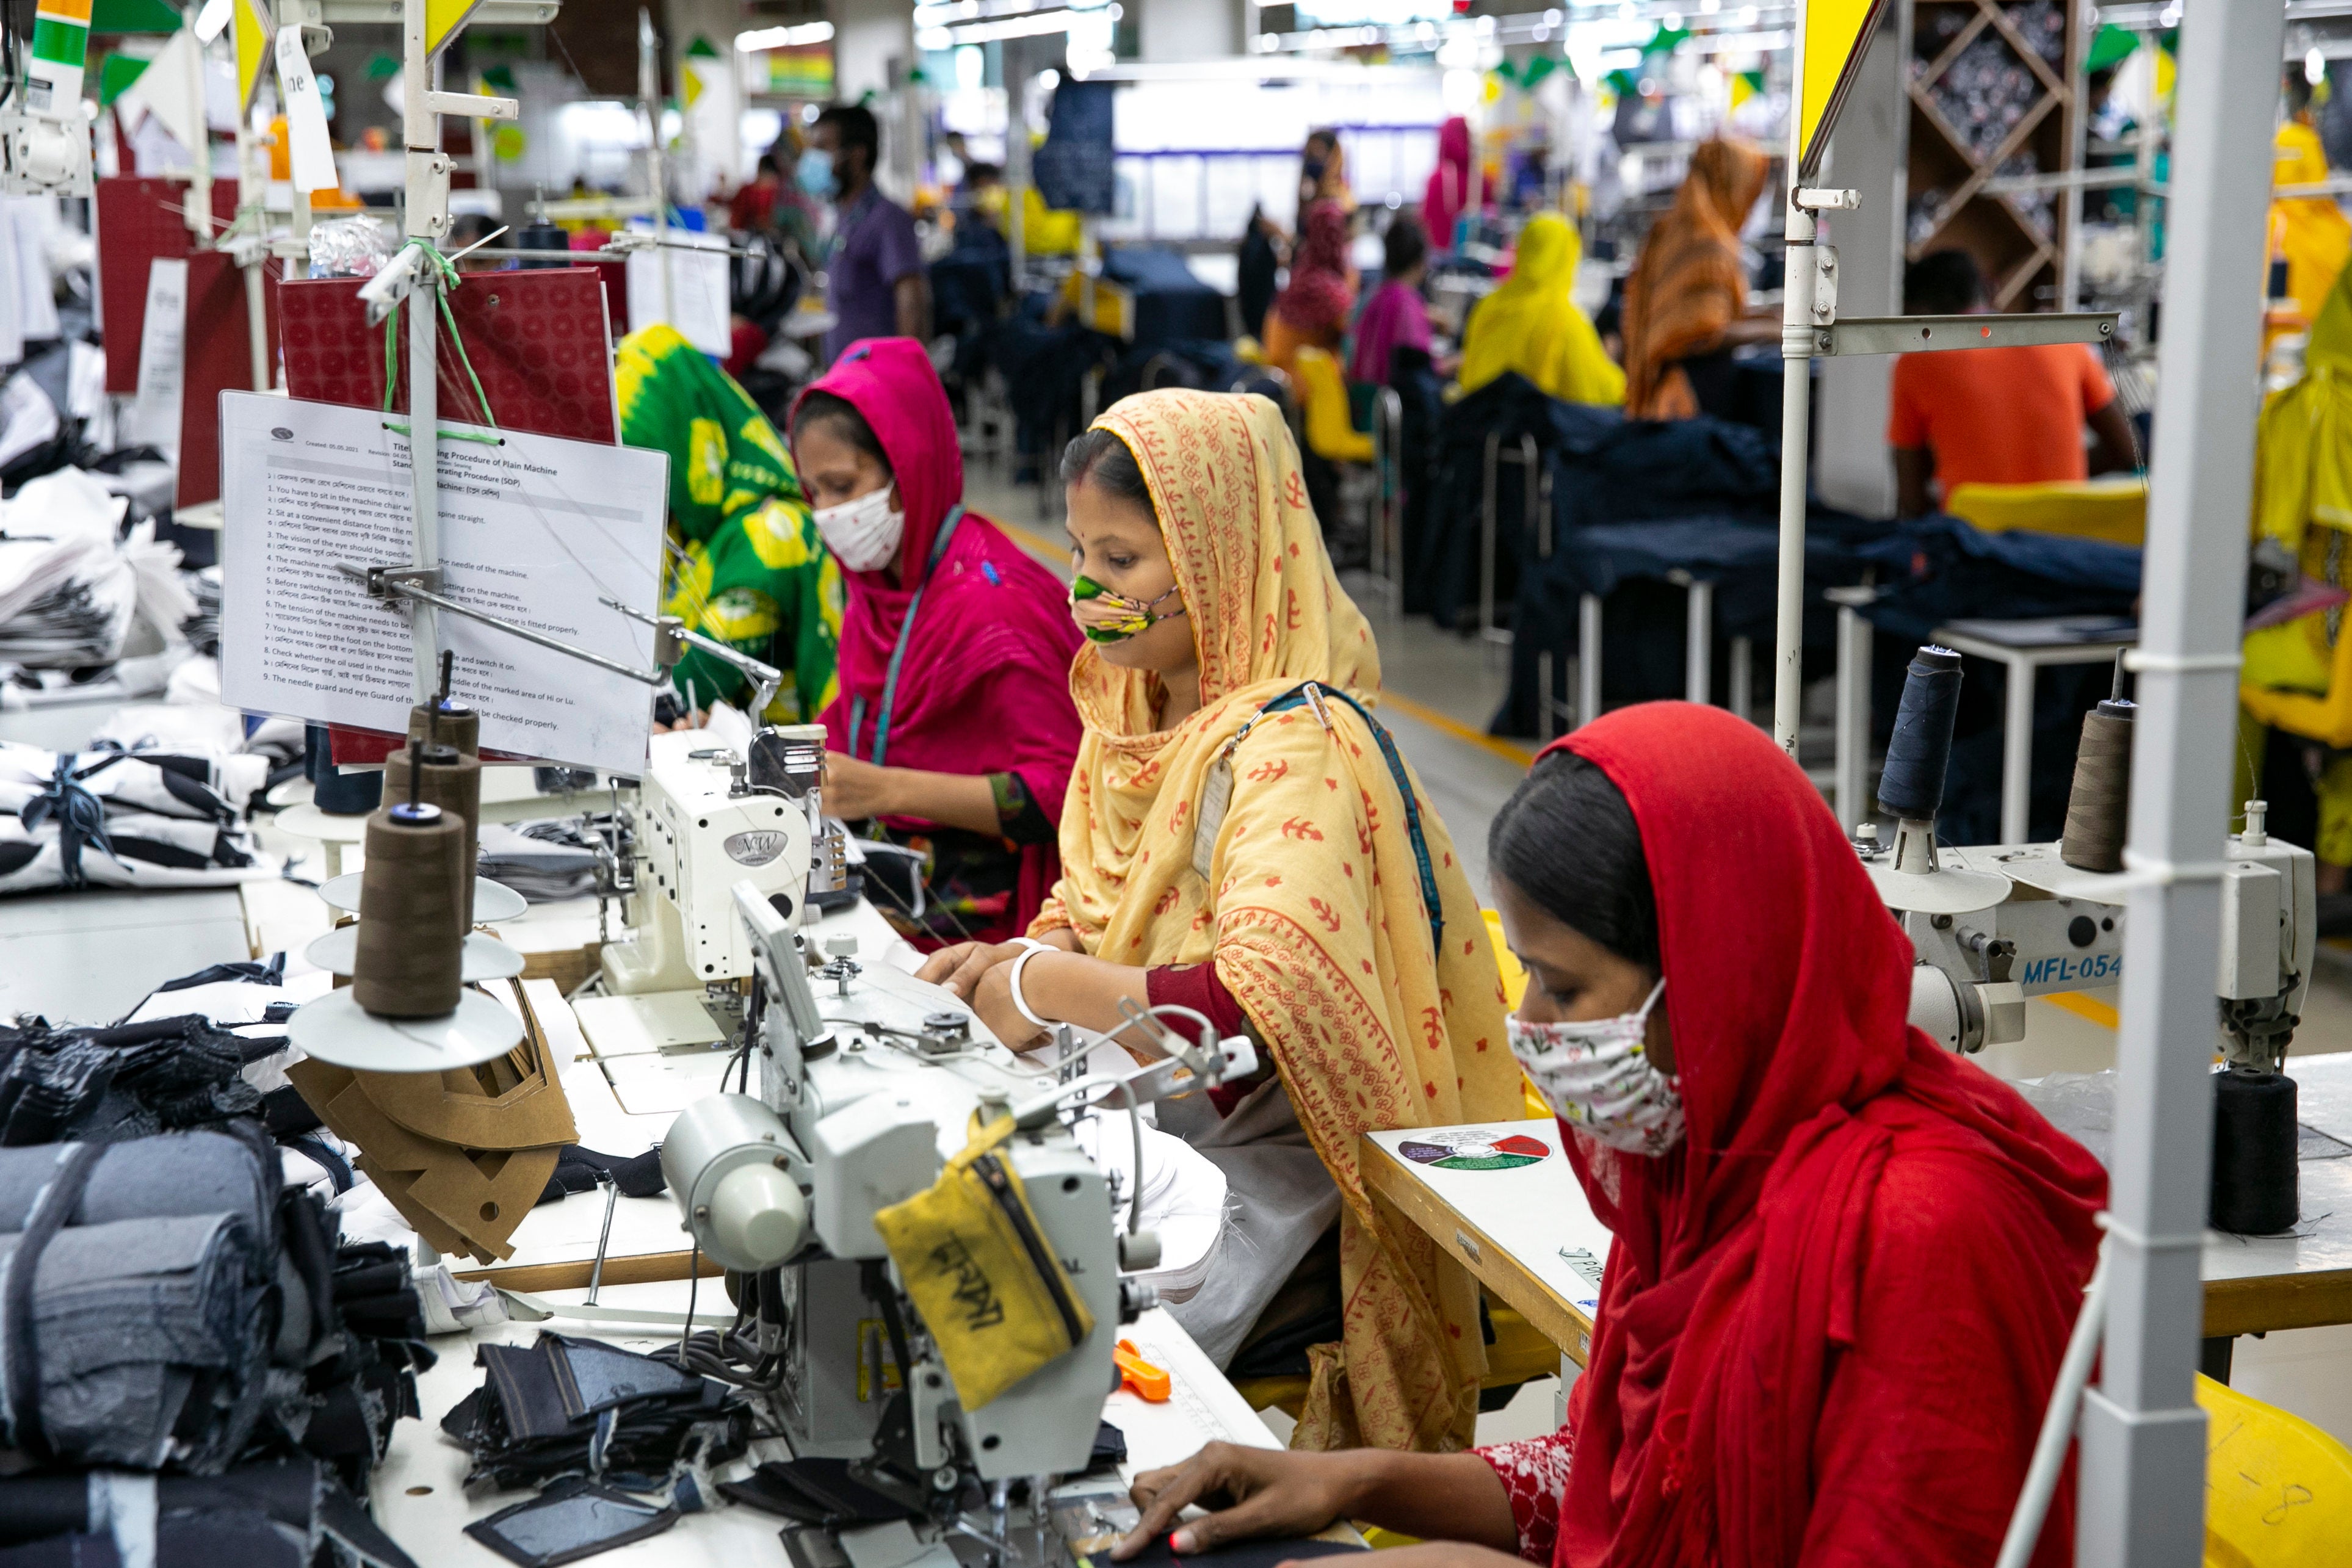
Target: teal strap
x=899 y=654
x=1298 y=698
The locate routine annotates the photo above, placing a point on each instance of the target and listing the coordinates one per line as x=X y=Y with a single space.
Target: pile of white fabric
x=68 y=590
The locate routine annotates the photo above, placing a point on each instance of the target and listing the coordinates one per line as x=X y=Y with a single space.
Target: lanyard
x=905 y=629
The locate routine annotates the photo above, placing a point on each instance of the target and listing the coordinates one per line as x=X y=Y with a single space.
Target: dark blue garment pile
x=189 y=1354
x=1602 y=468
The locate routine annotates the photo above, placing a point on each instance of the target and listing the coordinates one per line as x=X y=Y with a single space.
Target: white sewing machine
x=867 y=1082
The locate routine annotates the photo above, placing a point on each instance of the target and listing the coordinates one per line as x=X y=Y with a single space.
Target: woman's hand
x=854 y=791
x=960 y=967
x=1255 y=1491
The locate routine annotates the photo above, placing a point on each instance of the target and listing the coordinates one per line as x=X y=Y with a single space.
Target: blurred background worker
x=1994 y=416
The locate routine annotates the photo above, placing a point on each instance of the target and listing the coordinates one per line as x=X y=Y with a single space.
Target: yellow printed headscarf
x=1312 y=911
x=2303 y=498
x=1531 y=325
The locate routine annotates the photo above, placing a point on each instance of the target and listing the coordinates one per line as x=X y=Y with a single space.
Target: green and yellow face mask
x=1107 y=617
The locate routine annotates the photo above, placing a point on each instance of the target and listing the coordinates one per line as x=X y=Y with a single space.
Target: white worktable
x=1529 y=1235
x=421 y=1503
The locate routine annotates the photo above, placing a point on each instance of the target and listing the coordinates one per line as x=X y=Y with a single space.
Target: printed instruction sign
x=534 y=530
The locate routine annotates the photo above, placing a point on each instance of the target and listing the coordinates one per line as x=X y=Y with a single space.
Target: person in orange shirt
x=1994 y=416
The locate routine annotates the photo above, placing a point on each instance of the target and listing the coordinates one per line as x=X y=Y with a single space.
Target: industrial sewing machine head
x=709 y=816
x=1994 y=925
x=869 y=1085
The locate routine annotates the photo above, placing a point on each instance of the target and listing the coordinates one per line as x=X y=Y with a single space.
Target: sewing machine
x=867 y=1082
x=708 y=817
x=2052 y=928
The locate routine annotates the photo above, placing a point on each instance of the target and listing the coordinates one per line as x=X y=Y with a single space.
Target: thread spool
x=410 y=962
x=2098 y=807
x=460 y=728
x=454 y=783
x=2255 y=1178
x=543 y=235
x=1919 y=752
x=332 y=790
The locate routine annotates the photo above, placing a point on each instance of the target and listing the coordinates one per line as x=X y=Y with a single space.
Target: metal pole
x=656 y=165
x=1796 y=421
x=428 y=216
x=2143 y=1435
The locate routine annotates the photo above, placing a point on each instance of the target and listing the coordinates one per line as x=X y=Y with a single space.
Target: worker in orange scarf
x=1687 y=300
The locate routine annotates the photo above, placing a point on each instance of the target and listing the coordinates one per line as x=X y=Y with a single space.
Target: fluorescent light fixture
x=1035 y=25
x=783 y=38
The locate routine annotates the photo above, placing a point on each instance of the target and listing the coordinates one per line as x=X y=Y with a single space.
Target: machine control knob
x=1134 y=1298
x=841 y=945
x=1139 y=1251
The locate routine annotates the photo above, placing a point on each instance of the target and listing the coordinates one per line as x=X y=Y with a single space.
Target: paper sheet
x=698 y=299
x=162 y=347
x=30 y=219
x=534 y=530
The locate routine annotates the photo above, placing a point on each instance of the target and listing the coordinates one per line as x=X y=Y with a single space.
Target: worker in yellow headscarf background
x=2294 y=676
x=2310 y=233
x=1531 y=324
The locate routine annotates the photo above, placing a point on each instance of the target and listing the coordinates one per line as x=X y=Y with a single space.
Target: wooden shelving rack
x=1995 y=92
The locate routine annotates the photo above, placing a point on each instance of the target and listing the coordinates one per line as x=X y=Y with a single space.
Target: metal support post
x=2142 y=1435
x=1699 y=640
x=1796 y=422
x=1588 y=659
x=1854 y=634
x=1743 y=665
x=427 y=219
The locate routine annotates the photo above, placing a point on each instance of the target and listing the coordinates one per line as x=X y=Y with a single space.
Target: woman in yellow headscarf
x=1687 y=297
x=1240 y=837
x=2311 y=231
x=1531 y=324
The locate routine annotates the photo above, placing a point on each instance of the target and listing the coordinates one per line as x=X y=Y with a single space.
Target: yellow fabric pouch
x=981 y=1270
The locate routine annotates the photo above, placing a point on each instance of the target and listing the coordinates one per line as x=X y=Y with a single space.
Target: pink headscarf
x=1449 y=184
x=984 y=687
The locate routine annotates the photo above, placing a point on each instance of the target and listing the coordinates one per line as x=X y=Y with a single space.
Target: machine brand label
x=2090 y=970
x=757 y=847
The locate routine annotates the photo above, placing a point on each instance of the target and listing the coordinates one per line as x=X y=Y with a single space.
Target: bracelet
x=1019 y=1003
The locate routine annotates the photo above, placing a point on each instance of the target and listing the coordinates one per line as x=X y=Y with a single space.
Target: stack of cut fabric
x=115 y=819
x=291 y=1515
x=67 y=593
x=542 y=861
x=545 y=1406
x=186 y=1313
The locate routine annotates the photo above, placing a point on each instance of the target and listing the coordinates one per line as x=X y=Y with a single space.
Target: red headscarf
x=1833 y=1314
x=985 y=684
x=1321 y=290
x=1449 y=184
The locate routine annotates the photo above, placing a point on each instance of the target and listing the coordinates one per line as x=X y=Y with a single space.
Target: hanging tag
x=212 y=19
x=313 y=155
x=251 y=36
x=1216 y=796
x=1315 y=701
x=162 y=338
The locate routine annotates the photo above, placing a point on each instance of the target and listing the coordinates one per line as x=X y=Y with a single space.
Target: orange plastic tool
x=1149 y=1382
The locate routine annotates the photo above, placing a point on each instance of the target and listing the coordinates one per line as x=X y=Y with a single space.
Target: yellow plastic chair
x=2113 y=510
x=2278 y=1490
x=1323 y=391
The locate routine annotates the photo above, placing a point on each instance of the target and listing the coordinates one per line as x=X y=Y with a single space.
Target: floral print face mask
x=1597 y=1076
x=1107 y=617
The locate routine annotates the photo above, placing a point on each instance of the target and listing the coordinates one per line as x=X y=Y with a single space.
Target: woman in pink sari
x=954 y=731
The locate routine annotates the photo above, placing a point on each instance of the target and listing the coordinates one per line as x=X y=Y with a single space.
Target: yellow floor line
x=1510 y=751
x=2082 y=1007
x=1037 y=544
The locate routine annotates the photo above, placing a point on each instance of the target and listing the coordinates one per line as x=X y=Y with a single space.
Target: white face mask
x=1598 y=1077
x=863 y=534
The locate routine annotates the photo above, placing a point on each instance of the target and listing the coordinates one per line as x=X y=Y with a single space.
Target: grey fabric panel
x=1280 y=1201
x=134 y=1319
x=169 y=1175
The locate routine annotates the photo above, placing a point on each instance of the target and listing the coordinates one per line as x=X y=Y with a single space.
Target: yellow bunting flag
x=1837 y=33
x=255 y=46
x=442 y=20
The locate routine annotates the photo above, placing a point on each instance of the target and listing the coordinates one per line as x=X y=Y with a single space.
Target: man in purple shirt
x=875 y=283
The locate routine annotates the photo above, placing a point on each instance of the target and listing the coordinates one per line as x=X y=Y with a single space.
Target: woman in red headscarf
x=1846 y=1264
x=1313 y=308
x=954 y=731
x=1448 y=192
